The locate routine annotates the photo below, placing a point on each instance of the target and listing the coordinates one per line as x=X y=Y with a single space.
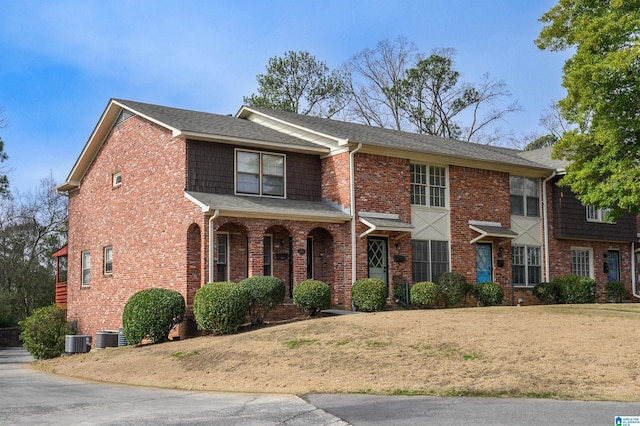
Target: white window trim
x=82 y=268
x=600 y=215
x=217 y=264
x=524 y=197
x=526 y=265
x=447 y=202
x=116 y=180
x=591 y=260
x=260 y=176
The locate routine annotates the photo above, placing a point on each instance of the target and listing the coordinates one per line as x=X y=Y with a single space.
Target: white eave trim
x=474 y=225
x=245 y=141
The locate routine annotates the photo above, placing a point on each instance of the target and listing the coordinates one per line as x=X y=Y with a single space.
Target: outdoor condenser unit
x=77 y=343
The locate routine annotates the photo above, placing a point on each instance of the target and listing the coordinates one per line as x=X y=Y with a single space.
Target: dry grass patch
x=587 y=352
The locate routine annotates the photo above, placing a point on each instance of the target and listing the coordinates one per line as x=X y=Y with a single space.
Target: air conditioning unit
x=106 y=339
x=77 y=343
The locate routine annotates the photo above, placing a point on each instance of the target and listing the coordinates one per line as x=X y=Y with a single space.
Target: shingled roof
x=204 y=123
x=370 y=135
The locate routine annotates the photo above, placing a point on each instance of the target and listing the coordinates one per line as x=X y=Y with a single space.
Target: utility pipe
x=353 y=210
x=545 y=225
x=213 y=217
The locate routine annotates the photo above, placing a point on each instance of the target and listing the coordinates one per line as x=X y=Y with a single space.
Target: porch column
x=256 y=253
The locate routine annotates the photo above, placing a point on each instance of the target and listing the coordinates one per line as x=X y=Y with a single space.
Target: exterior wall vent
x=125 y=114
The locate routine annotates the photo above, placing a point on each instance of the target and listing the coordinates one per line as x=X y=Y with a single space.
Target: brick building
x=164 y=197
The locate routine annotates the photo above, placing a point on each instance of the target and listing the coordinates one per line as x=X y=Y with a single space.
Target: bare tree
x=4 y=180
x=32 y=227
x=374 y=72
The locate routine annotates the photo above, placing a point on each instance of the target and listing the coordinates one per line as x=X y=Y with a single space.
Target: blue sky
x=61 y=61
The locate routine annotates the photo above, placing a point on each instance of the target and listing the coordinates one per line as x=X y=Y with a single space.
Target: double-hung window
x=429 y=259
x=527 y=269
x=86 y=268
x=428 y=185
x=525 y=196
x=581 y=262
x=595 y=214
x=260 y=173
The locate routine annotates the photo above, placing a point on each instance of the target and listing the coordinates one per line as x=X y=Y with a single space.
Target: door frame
x=385 y=240
x=490 y=246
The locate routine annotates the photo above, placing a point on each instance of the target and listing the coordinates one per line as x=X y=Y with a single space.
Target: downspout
x=353 y=211
x=215 y=215
x=545 y=225
x=634 y=281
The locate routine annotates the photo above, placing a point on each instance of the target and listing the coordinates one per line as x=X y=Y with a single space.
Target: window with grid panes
x=581 y=262
x=526 y=266
x=429 y=259
x=428 y=185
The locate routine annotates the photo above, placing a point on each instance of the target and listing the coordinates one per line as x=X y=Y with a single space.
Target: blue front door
x=483 y=263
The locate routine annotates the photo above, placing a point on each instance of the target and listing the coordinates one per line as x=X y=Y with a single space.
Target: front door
x=377 y=258
x=613 y=259
x=483 y=263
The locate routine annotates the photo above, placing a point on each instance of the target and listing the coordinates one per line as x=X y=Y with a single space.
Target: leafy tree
x=434 y=100
x=602 y=79
x=373 y=72
x=541 y=142
x=300 y=83
x=32 y=227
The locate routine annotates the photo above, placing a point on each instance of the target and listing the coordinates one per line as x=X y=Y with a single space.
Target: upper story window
x=595 y=214
x=260 y=173
x=428 y=185
x=525 y=196
x=116 y=179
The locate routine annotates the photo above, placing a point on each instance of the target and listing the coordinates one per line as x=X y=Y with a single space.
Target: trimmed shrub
x=548 y=293
x=264 y=294
x=616 y=291
x=151 y=314
x=312 y=296
x=221 y=306
x=369 y=294
x=489 y=294
x=43 y=332
x=454 y=287
x=424 y=294
x=576 y=289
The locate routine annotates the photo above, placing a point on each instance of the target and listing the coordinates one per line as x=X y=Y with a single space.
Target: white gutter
x=634 y=282
x=545 y=226
x=353 y=211
x=215 y=215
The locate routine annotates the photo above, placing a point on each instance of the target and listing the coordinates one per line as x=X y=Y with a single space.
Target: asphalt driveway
x=31 y=397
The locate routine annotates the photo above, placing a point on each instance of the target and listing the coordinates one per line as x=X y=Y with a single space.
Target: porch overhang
x=266 y=208
x=493 y=230
x=384 y=222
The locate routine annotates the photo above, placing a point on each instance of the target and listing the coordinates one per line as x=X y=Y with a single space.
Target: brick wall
x=146 y=220
x=481 y=195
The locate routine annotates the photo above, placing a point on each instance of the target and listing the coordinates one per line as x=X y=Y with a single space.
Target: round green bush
x=546 y=292
x=312 y=296
x=151 y=314
x=265 y=293
x=454 y=287
x=221 y=307
x=43 y=332
x=369 y=294
x=576 y=289
x=424 y=294
x=616 y=291
x=489 y=294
